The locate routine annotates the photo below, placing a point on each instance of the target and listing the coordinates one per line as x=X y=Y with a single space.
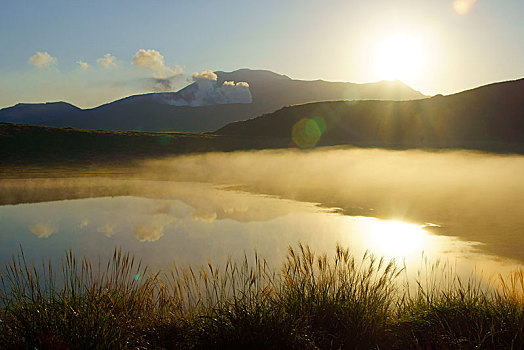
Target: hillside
x=178 y=111
x=487 y=118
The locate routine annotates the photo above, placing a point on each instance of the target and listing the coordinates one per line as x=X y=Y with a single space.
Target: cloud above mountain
x=42 y=59
x=207 y=91
x=237 y=92
x=239 y=84
x=153 y=61
x=207 y=75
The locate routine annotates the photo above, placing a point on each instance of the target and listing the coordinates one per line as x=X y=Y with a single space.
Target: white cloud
x=153 y=61
x=42 y=230
x=83 y=65
x=108 y=61
x=207 y=91
x=42 y=59
x=205 y=75
x=84 y=88
x=236 y=92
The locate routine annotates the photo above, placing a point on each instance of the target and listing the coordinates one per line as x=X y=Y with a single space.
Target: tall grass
x=80 y=306
x=312 y=302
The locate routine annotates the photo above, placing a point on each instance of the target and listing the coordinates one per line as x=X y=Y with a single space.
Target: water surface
x=166 y=222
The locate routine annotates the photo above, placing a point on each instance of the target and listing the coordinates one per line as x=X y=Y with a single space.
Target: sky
x=92 y=52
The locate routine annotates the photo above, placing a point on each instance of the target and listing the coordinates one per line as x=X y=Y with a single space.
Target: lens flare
x=307 y=132
x=462 y=7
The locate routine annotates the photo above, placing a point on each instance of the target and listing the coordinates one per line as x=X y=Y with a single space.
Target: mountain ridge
x=488 y=118
x=490 y=114
x=152 y=111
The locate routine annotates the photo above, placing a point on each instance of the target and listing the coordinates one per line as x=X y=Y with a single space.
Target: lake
x=456 y=207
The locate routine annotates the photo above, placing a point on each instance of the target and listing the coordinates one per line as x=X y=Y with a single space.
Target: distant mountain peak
x=53 y=103
x=35 y=107
x=251 y=76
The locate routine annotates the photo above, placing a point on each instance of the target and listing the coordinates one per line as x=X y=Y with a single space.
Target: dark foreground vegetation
x=313 y=302
x=40 y=145
x=23 y=145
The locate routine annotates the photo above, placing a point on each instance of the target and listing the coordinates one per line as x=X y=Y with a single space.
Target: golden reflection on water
x=192 y=223
x=426 y=256
x=394 y=239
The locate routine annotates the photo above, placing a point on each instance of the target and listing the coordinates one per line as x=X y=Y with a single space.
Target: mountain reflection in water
x=162 y=222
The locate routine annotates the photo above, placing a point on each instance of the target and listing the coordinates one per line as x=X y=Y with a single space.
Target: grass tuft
x=314 y=301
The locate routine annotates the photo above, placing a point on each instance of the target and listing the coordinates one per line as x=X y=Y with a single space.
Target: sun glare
x=398 y=57
x=395 y=238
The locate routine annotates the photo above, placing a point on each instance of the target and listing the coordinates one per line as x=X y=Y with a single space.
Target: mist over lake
x=473 y=195
x=458 y=206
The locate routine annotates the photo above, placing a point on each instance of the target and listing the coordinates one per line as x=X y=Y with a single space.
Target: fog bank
x=475 y=196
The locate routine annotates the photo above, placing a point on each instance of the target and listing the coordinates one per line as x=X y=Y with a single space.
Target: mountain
x=204 y=105
x=487 y=118
x=42 y=113
x=277 y=91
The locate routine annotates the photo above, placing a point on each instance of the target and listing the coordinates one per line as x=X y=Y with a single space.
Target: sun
x=399 y=57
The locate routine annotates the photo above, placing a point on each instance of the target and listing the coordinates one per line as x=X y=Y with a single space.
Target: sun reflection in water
x=395 y=239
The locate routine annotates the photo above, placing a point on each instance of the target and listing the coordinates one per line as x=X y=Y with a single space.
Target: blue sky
x=332 y=40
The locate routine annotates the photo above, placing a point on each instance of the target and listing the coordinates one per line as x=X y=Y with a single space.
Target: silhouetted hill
x=43 y=112
x=488 y=118
x=157 y=112
x=41 y=145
